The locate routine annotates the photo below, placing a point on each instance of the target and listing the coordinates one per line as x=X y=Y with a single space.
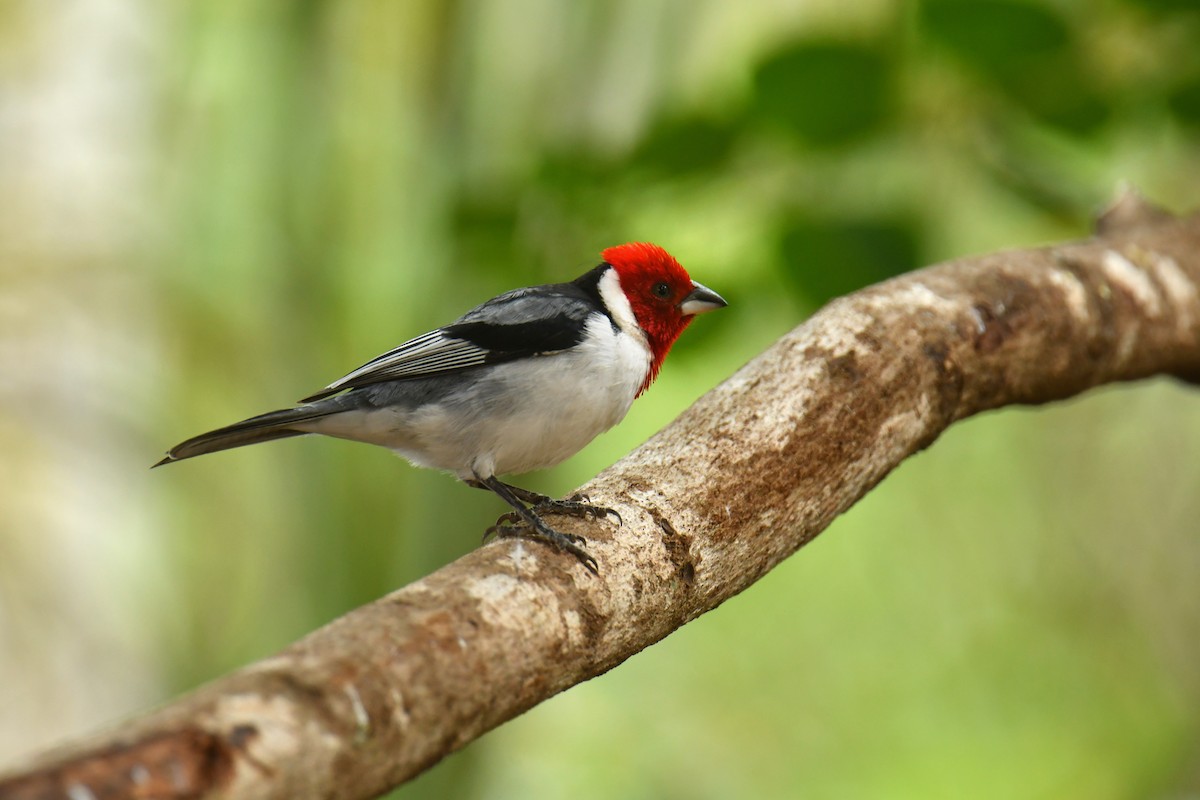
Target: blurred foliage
x=865 y=250
x=847 y=82
x=1022 y=51
x=219 y=206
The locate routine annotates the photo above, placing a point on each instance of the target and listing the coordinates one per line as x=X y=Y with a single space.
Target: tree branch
x=746 y=476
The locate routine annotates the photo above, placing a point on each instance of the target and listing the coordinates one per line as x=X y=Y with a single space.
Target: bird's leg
x=577 y=505
x=533 y=526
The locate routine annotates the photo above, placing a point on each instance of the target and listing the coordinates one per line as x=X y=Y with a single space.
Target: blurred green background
x=212 y=207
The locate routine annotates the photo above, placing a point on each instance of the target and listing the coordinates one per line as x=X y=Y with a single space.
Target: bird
x=521 y=382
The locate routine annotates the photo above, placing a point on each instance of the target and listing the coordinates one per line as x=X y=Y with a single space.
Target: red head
x=662 y=295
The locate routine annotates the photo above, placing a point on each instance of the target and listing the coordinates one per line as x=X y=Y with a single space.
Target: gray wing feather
x=427 y=354
x=510 y=322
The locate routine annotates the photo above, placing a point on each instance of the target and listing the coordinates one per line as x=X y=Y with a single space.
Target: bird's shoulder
x=537 y=319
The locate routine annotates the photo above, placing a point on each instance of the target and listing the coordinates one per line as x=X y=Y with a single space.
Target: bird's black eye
x=661 y=290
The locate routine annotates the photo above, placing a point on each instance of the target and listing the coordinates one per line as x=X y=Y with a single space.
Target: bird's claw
x=577 y=505
x=511 y=526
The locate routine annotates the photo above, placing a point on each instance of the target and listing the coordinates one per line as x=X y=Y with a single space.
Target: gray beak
x=700 y=300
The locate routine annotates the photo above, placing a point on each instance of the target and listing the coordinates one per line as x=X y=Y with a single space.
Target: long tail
x=263 y=428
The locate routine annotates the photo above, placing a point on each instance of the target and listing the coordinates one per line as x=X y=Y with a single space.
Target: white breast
x=583 y=392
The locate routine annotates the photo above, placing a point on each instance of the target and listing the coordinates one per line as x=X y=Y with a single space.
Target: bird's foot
x=577 y=505
x=525 y=520
x=512 y=526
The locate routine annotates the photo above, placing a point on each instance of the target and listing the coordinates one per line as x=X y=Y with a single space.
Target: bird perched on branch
x=519 y=383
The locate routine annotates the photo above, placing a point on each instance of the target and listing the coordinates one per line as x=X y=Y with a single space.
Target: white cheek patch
x=618 y=304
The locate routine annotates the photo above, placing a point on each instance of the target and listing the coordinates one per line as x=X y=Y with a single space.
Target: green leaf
x=827 y=258
x=996 y=37
x=685 y=145
x=1184 y=102
x=825 y=92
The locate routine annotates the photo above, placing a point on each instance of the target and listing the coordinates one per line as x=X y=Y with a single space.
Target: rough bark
x=741 y=480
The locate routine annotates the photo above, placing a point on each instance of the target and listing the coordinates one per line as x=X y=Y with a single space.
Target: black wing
x=517 y=324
